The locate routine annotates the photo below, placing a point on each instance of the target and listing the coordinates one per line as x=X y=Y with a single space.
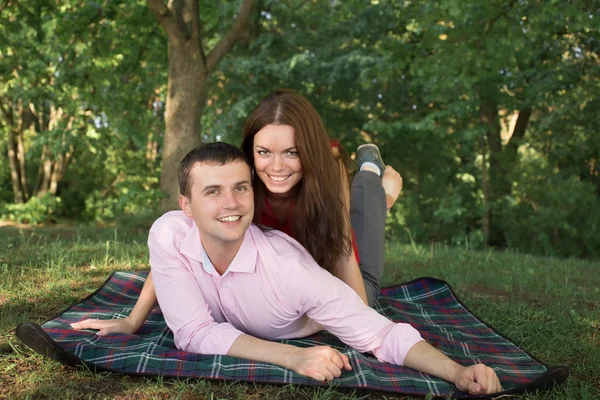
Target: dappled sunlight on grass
x=548 y=306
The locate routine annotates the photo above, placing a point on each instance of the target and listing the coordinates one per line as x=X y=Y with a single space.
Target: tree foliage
x=488 y=109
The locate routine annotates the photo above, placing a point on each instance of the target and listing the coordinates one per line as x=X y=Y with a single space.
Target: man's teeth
x=231 y=218
x=279 y=178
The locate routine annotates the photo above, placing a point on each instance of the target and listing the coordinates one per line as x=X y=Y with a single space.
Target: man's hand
x=392 y=185
x=477 y=379
x=321 y=362
x=106 y=326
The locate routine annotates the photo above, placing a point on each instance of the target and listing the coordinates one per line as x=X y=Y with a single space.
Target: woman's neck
x=287 y=197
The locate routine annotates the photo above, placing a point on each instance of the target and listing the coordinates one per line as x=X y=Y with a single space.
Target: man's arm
x=322 y=363
x=338 y=309
x=475 y=379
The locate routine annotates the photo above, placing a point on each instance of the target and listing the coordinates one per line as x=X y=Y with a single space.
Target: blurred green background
x=489 y=110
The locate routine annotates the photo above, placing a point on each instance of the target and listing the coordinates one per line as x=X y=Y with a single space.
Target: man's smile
x=229 y=218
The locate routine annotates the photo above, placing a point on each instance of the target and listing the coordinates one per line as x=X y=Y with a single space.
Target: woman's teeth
x=279 y=178
x=231 y=218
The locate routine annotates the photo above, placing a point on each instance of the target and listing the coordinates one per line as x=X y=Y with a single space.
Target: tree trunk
x=189 y=71
x=187 y=91
x=20 y=149
x=44 y=172
x=496 y=173
x=21 y=160
x=59 y=168
x=485 y=219
x=19 y=195
x=517 y=135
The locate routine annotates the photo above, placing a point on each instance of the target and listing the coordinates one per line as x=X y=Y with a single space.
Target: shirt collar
x=192 y=245
x=244 y=261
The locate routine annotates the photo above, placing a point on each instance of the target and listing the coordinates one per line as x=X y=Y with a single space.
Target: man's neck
x=221 y=254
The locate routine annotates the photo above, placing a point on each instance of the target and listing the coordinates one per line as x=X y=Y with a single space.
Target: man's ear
x=185 y=205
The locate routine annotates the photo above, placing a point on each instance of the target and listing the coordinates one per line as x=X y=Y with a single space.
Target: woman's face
x=276 y=158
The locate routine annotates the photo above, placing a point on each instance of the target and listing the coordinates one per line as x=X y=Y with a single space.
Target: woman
x=301 y=188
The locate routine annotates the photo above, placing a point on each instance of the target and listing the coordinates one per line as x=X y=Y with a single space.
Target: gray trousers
x=367 y=216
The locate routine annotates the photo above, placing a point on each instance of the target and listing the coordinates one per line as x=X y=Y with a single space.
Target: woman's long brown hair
x=320 y=221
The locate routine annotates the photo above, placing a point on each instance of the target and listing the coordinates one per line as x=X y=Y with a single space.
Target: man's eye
x=241 y=188
x=212 y=192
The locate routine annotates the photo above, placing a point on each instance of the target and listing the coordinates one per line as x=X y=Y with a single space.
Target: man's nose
x=229 y=200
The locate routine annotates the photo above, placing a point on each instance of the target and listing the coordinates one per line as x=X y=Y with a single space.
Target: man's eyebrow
x=211 y=187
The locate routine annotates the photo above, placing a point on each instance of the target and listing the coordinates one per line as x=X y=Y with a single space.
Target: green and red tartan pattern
x=428 y=304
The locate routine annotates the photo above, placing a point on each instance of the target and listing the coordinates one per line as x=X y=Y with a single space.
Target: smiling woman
x=300 y=186
x=276 y=160
x=303 y=190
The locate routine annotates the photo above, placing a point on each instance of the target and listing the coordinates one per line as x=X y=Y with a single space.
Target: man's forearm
x=320 y=362
x=252 y=348
x=474 y=379
x=425 y=358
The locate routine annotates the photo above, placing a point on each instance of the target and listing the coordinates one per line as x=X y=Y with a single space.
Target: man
x=225 y=286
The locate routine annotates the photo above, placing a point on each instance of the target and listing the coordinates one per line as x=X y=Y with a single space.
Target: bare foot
x=392 y=185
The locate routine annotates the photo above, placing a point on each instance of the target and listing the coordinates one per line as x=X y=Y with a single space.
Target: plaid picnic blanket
x=428 y=304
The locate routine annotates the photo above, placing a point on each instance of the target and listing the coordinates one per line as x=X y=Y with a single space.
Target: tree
x=68 y=72
x=188 y=80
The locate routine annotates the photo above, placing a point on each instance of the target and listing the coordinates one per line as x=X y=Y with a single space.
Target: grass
x=549 y=306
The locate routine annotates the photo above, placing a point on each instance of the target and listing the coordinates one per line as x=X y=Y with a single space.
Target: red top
x=269 y=219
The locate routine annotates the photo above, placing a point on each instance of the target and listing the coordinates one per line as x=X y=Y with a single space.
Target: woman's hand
x=106 y=326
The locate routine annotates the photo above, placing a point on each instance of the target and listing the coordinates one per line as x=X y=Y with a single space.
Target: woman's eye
x=262 y=152
x=292 y=153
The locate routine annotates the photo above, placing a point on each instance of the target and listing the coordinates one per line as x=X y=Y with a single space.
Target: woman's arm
x=129 y=324
x=347 y=268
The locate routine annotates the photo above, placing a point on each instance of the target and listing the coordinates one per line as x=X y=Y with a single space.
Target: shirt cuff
x=216 y=339
x=396 y=344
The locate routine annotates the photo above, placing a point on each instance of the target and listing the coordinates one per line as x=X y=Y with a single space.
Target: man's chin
x=237 y=231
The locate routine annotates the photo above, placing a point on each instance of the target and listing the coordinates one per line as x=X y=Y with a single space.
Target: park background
x=489 y=110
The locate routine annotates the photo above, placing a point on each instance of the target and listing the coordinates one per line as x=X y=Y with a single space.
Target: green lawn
x=549 y=306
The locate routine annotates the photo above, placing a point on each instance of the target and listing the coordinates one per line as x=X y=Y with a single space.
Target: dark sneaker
x=369 y=153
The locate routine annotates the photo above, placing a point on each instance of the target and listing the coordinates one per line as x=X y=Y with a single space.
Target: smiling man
x=225 y=286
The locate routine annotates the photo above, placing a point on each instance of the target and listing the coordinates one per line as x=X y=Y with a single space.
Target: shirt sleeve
x=186 y=312
x=333 y=304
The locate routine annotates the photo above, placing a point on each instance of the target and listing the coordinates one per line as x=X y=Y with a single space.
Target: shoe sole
x=376 y=148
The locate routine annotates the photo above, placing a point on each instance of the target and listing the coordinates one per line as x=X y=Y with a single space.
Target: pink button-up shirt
x=273 y=289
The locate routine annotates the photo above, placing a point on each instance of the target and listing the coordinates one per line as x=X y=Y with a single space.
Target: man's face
x=221 y=203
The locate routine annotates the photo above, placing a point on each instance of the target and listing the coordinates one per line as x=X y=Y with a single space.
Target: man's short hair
x=217 y=153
